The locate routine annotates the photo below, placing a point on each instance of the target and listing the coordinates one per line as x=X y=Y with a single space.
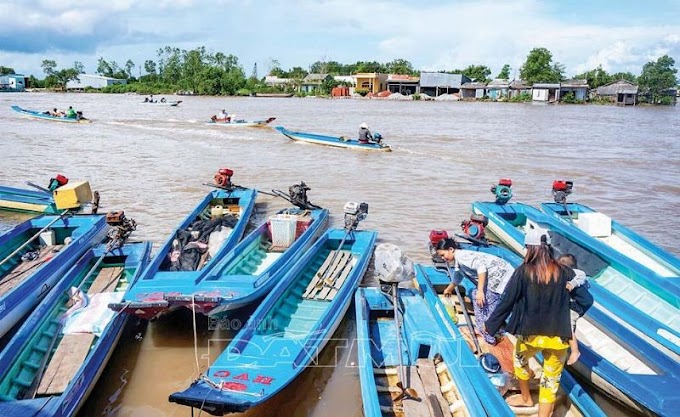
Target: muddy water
x=151 y=161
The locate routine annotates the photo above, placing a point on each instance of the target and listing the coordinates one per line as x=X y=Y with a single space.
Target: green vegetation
x=505 y=72
x=520 y=98
x=539 y=68
x=656 y=78
x=361 y=91
x=599 y=77
x=57 y=79
x=570 y=98
x=6 y=70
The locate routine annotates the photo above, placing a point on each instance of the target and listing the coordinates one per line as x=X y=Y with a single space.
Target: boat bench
x=330 y=276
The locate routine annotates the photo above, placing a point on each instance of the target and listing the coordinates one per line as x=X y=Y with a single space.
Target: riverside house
x=437 y=83
x=12 y=83
x=373 y=82
x=403 y=84
x=498 y=89
x=621 y=92
x=312 y=82
x=472 y=91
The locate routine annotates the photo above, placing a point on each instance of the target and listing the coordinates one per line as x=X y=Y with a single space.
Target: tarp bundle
x=391 y=265
x=192 y=242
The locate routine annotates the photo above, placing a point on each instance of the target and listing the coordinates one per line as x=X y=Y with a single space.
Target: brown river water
x=152 y=160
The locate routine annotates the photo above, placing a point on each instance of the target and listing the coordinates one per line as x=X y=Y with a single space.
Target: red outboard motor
x=223 y=178
x=475 y=226
x=561 y=189
x=436 y=236
x=502 y=191
x=57 y=182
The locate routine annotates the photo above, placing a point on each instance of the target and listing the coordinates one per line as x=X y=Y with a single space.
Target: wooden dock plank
x=106 y=280
x=69 y=356
x=25 y=269
x=428 y=375
x=422 y=406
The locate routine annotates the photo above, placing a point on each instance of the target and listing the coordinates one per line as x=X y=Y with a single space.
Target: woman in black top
x=538 y=299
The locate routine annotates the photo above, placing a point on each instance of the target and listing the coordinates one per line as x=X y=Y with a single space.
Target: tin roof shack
x=93 y=81
x=437 y=83
x=372 y=82
x=403 y=84
x=498 y=89
x=312 y=82
x=12 y=83
x=573 y=91
x=472 y=91
x=545 y=93
x=621 y=92
x=275 y=81
x=519 y=87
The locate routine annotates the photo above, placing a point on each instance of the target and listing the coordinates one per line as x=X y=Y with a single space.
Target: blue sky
x=432 y=34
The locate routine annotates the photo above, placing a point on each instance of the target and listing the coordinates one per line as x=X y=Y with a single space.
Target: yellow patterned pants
x=554 y=355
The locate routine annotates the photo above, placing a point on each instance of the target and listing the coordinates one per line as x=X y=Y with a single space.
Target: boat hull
x=42 y=116
x=26 y=201
x=337 y=142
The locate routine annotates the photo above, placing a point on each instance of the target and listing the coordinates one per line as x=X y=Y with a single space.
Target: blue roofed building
x=11 y=83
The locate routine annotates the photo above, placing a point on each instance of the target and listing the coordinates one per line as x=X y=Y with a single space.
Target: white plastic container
x=48 y=238
x=595 y=224
x=283 y=229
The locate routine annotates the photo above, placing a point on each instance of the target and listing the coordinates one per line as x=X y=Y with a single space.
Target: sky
x=432 y=34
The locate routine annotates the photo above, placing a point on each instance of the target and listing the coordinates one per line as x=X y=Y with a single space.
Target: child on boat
x=580 y=300
x=490 y=274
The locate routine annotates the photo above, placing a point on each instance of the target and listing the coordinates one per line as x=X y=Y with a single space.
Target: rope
x=193 y=309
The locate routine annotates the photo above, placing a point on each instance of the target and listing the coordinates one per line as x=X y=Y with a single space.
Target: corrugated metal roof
x=473 y=86
x=438 y=79
x=546 y=85
x=617 y=87
x=315 y=77
x=575 y=83
x=499 y=83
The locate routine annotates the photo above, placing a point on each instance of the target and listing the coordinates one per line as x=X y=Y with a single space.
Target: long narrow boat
x=339 y=142
x=174 y=103
x=628 y=350
x=629 y=291
x=256 y=264
x=54 y=360
x=44 y=116
x=241 y=123
x=289 y=328
x=221 y=217
x=618 y=237
x=23 y=200
x=32 y=265
x=572 y=400
x=435 y=364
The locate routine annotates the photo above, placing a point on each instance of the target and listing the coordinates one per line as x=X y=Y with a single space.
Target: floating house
x=472 y=91
x=498 y=89
x=519 y=87
x=437 y=83
x=403 y=84
x=93 y=81
x=374 y=82
x=579 y=88
x=12 y=83
x=545 y=92
x=275 y=81
x=312 y=82
x=621 y=92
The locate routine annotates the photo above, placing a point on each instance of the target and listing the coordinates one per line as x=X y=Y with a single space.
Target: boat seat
x=587 y=261
x=332 y=266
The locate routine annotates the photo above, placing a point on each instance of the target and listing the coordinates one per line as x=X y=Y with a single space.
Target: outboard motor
x=475 y=226
x=57 y=182
x=502 y=191
x=354 y=213
x=377 y=137
x=223 y=178
x=561 y=189
x=122 y=227
x=298 y=196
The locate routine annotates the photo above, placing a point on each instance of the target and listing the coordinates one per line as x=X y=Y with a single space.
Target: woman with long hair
x=538 y=299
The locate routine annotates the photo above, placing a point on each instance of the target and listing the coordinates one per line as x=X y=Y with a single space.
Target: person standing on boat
x=538 y=299
x=365 y=135
x=489 y=273
x=70 y=113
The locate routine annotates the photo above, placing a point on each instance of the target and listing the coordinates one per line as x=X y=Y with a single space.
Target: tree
x=104 y=68
x=372 y=66
x=48 y=66
x=538 y=68
x=6 y=70
x=150 y=67
x=596 y=78
x=478 y=73
x=400 y=66
x=624 y=76
x=658 y=76
x=505 y=72
x=78 y=66
x=129 y=66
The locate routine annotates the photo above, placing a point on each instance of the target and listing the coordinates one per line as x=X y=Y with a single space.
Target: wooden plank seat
x=69 y=356
x=432 y=389
x=106 y=280
x=24 y=269
x=326 y=271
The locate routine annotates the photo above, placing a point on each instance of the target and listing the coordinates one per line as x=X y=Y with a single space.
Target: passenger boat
x=339 y=142
x=164 y=103
x=200 y=242
x=256 y=264
x=289 y=328
x=629 y=291
x=273 y=95
x=34 y=256
x=435 y=365
x=45 y=116
x=54 y=360
x=241 y=123
x=23 y=200
x=618 y=238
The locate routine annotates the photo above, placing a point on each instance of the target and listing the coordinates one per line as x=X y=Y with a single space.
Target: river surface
x=152 y=160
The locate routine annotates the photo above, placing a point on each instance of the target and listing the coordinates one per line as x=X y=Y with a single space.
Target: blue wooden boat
x=256 y=264
x=23 y=200
x=434 y=366
x=645 y=301
x=618 y=237
x=572 y=400
x=241 y=122
x=628 y=350
x=46 y=257
x=46 y=372
x=167 y=275
x=288 y=329
x=34 y=114
x=339 y=142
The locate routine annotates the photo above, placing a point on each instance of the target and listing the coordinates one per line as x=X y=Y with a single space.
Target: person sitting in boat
x=224 y=116
x=70 y=113
x=537 y=301
x=580 y=301
x=163 y=100
x=365 y=135
x=490 y=273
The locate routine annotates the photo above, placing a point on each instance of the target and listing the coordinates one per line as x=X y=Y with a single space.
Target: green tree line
x=203 y=72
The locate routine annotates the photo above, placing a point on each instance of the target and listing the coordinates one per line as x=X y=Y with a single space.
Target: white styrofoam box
x=595 y=224
x=48 y=238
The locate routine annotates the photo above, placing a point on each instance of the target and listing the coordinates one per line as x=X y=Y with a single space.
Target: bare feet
x=516 y=400
x=573 y=357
